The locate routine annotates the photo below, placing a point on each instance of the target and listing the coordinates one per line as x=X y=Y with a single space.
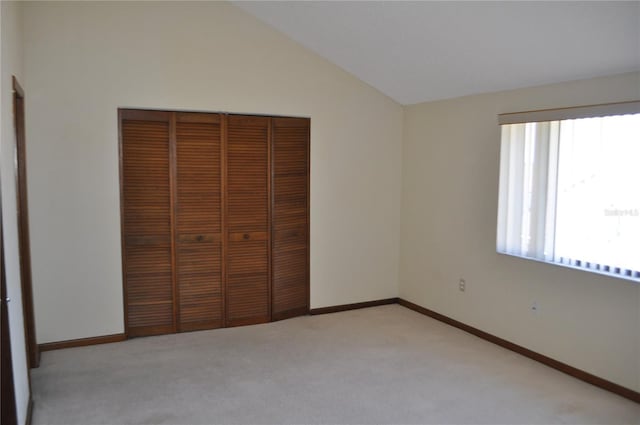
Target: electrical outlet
x=462 y=285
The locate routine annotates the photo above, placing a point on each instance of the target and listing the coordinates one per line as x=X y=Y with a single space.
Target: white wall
x=11 y=64
x=84 y=60
x=449 y=207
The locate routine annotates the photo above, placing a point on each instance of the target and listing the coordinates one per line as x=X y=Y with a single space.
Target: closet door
x=198 y=222
x=145 y=176
x=247 y=219
x=290 y=217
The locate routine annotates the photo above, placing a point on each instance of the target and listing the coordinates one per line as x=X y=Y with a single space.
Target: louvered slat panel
x=247 y=282
x=147 y=318
x=290 y=200
x=146 y=222
x=247 y=177
x=289 y=269
x=198 y=221
x=247 y=198
x=290 y=241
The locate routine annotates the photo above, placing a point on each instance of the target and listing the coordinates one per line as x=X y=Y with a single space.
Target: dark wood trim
x=27 y=420
x=125 y=304
x=82 y=342
x=24 y=247
x=548 y=361
x=354 y=306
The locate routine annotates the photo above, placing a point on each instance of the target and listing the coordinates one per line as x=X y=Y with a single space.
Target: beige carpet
x=378 y=365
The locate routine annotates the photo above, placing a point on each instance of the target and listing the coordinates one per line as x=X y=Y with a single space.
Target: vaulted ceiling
x=421 y=51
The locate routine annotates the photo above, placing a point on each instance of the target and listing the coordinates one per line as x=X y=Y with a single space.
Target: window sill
x=631 y=279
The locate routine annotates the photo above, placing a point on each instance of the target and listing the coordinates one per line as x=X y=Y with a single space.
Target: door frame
x=24 y=246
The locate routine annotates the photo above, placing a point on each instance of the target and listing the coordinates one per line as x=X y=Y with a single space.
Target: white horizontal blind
x=570 y=192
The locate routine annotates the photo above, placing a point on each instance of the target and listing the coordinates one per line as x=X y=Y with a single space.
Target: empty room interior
x=320 y=212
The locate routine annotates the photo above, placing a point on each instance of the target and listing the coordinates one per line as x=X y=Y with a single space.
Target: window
x=570 y=187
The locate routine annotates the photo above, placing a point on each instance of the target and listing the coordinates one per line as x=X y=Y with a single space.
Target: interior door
x=198 y=225
x=247 y=216
x=147 y=222
x=290 y=217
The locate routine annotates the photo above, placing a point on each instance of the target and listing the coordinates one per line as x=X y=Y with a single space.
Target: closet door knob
x=246 y=236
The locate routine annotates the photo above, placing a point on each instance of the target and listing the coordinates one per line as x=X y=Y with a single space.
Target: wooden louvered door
x=215 y=219
x=247 y=220
x=290 y=217
x=146 y=176
x=198 y=222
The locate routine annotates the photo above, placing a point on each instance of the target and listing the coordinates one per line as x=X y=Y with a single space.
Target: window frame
x=550 y=115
